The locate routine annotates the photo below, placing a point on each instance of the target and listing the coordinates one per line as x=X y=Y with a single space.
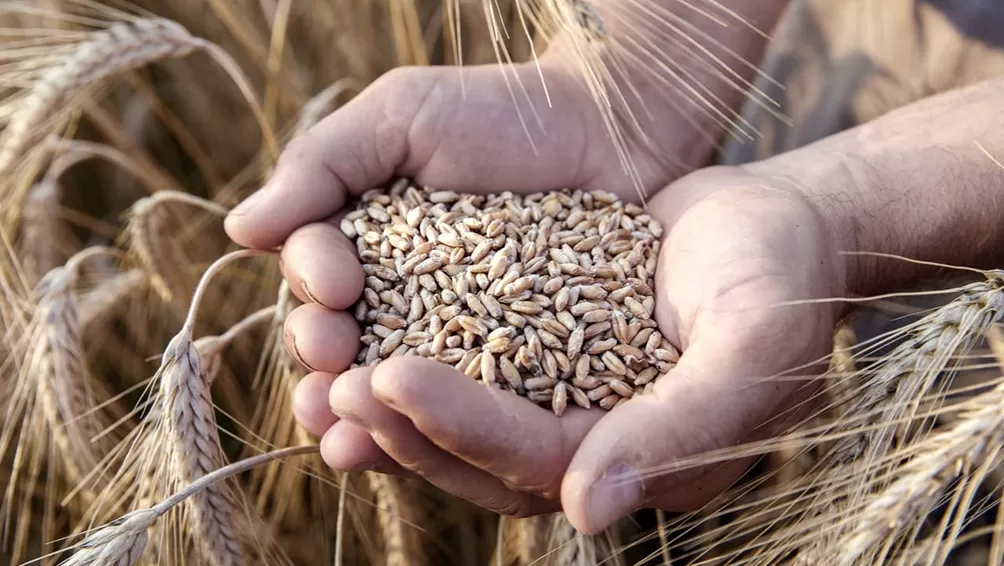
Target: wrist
x=914 y=183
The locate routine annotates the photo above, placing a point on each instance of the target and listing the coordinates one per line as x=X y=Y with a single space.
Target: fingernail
x=296 y=351
x=617 y=493
x=248 y=204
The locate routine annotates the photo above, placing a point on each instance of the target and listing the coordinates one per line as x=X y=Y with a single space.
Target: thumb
x=452 y=128
x=719 y=394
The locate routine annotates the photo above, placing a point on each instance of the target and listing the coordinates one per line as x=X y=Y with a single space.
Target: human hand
x=734 y=247
x=475 y=129
x=502 y=452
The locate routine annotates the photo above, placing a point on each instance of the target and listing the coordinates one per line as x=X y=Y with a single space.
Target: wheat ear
x=40 y=230
x=53 y=399
x=99 y=303
x=523 y=540
x=156 y=251
x=140 y=477
x=893 y=392
x=551 y=540
x=195 y=450
x=121 y=542
x=401 y=544
x=879 y=409
x=189 y=423
x=119 y=48
x=940 y=459
x=178 y=443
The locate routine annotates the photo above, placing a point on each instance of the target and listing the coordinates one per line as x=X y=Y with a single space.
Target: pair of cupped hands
x=737 y=246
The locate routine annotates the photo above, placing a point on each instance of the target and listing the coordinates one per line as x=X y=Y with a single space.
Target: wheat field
x=146 y=389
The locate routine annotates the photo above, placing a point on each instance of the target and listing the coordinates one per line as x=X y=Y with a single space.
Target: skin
x=739 y=241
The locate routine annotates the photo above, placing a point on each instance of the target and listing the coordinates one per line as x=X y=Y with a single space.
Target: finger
x=321 y=339
x=424 y=123
x=351 y=398
x=719 y=394
x=501 y=433
x=347 y=447
x=310 y=402
x=321 y=266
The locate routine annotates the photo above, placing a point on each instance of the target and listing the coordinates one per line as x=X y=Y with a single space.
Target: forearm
x=689 y=63
x=914 y=183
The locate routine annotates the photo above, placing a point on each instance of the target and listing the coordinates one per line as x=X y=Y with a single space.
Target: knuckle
x=297 y=149
x=510 y=505
x=404 y=100
x=547 y=485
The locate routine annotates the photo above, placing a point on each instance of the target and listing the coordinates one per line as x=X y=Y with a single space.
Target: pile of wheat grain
x=550 y=296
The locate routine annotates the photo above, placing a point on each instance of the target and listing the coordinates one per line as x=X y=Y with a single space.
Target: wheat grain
x=526 y=283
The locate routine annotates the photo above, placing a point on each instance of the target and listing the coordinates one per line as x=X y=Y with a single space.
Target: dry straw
x=549 y=296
